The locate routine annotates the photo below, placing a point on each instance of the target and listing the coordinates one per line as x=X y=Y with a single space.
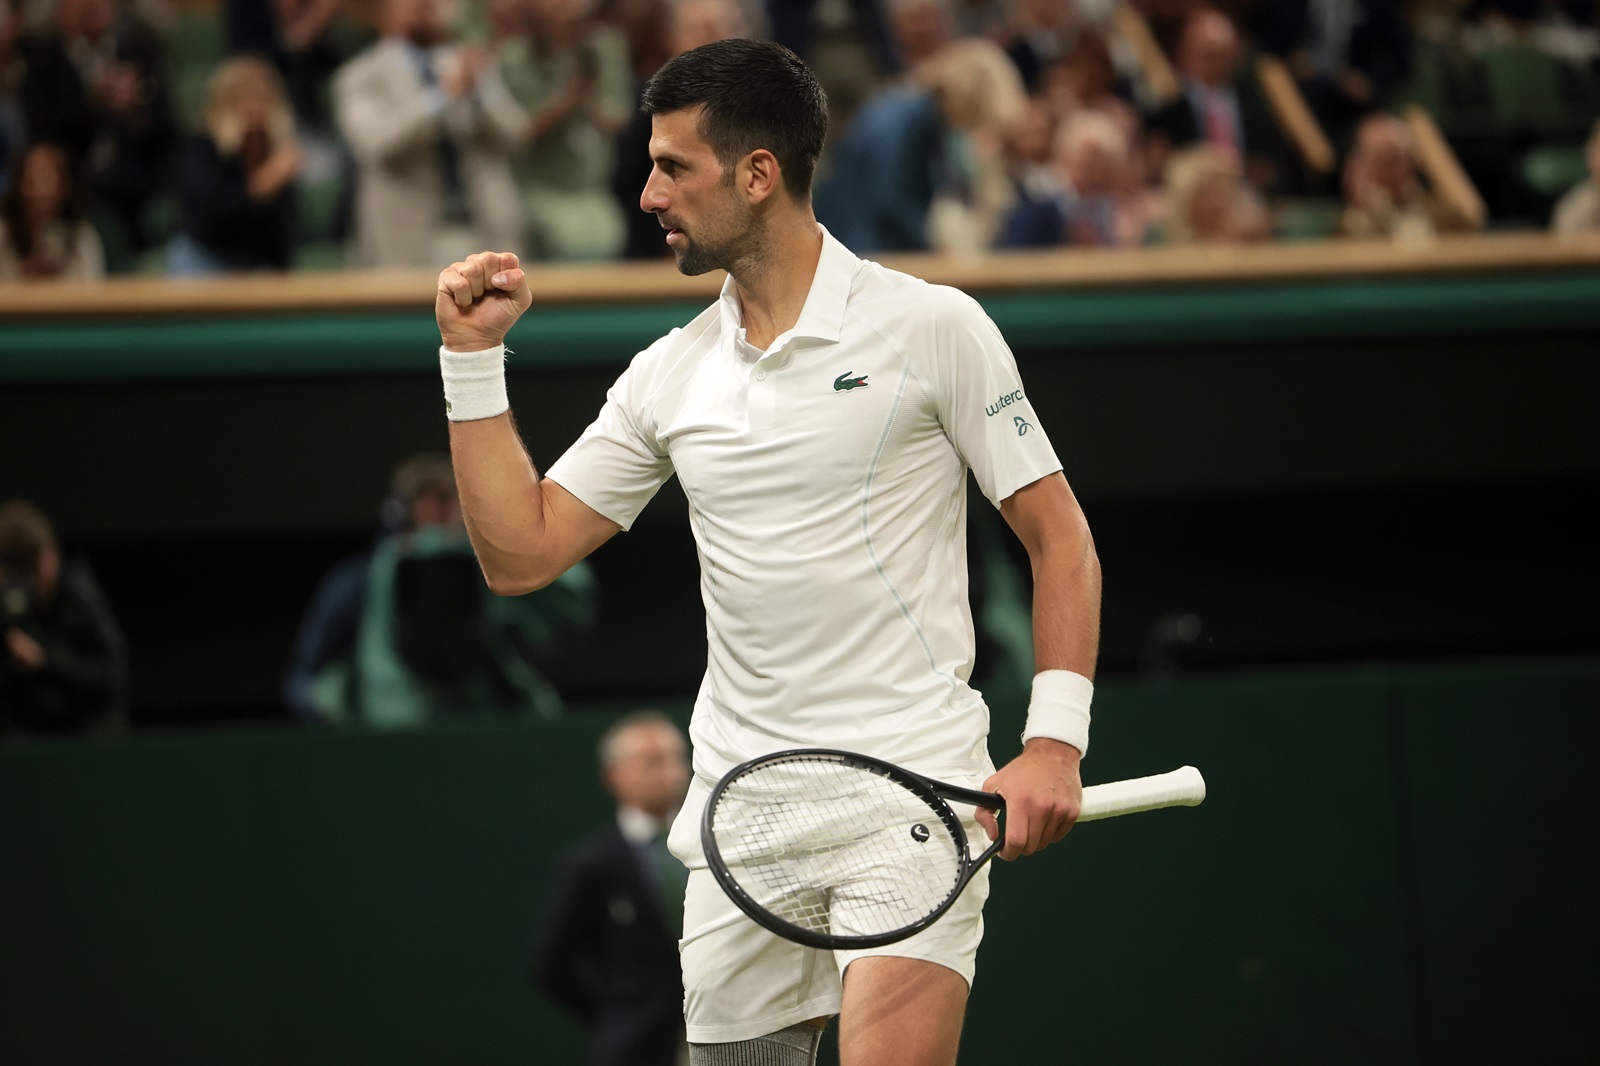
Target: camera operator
x=62 y=665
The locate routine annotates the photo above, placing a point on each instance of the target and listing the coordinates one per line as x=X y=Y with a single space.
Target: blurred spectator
x=12 y=132
x=1383 y=195
x=236 y=179
x=1085 y=204
x=1214 y=109
x=1084 y=77
x=1347 y=55
x=609 y=953
x=1038 y=33
x=62 y=660
x=935 y=138
x=296 y=36
x=408 y=631
x=572 y=76
x=1209 y=201
x=1579 y=210
x=431 y=127
x=918 y=29
x=43 y=234
x=98 y=85
x=689 y=24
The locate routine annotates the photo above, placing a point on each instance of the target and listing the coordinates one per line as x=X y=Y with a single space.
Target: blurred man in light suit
x=431 y=126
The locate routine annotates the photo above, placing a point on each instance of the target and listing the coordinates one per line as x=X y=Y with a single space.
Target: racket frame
x=934 y=793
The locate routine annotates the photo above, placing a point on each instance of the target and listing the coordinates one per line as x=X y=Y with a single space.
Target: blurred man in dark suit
x=1221 y=105
x=609 y=952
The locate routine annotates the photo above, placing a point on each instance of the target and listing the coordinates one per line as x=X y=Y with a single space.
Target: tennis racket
x=837 y=850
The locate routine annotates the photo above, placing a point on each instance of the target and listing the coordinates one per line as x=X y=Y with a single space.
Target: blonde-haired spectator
x=1579 y=210
x=43 y=234
x=1208 y=200
x=236 y=179
x=1384 y=197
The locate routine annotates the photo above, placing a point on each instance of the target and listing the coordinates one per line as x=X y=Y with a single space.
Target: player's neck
x=773 y=286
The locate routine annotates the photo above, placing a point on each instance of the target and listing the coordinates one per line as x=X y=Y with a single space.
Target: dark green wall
x=1389 y=868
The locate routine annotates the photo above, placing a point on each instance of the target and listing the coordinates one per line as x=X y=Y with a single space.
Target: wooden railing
x=645 y=283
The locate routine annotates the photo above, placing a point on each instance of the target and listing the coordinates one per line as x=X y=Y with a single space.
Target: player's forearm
x=504 y=505
x=1066 y=603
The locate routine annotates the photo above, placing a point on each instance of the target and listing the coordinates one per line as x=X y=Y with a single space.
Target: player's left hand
x=1043 y=794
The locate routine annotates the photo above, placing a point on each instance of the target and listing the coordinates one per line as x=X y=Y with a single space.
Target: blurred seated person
x=63 y=665
x=1384 y=197
x=1579 y=209
x=1086 y=205
x=236 y=179
x=1084 y=77
x=609 y=950
x=408 y=631
x=298 y=38
x=1219 y=106
x=98 y=85
x=572 y=75
x=1208 y=200
x=12 y=132
x=935 y=138
x=431 y=127
x=1037 y=34
x=43 y=234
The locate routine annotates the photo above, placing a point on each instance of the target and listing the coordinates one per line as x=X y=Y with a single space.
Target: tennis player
x=821 y=417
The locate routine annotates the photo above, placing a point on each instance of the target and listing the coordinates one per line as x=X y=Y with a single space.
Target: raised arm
x=526 y=531
x=1042 y=786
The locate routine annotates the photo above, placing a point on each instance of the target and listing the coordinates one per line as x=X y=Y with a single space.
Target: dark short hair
x=757 y=94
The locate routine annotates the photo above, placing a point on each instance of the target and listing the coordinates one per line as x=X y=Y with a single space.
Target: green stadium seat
x=195 y=45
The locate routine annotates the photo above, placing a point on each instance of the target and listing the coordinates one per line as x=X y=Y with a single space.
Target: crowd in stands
x=208 y=136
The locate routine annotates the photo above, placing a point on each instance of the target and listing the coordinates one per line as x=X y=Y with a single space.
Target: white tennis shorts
x=741 y=981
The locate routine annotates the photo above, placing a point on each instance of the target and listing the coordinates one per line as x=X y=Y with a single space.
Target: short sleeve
x=617 y=465
x=983 y=405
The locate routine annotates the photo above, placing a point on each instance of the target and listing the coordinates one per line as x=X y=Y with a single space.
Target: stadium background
x=1360 y=476
x=1371 y=491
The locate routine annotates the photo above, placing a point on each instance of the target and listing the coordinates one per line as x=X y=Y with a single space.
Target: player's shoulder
x=678 y=346
x=883 y=292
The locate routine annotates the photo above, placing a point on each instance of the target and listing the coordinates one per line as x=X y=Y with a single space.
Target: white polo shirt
x=826 y=481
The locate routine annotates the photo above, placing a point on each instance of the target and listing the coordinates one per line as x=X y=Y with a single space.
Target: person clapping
x=237 y=177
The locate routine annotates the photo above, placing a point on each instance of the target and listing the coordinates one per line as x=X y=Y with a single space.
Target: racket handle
x=1183 y=787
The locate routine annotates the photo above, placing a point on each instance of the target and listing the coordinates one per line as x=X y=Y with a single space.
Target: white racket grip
x=1183 y=787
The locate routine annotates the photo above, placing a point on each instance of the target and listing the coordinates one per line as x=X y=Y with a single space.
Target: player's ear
x=759 y=176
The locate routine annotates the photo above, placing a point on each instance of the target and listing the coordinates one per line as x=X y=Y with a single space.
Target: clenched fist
x=479 y=300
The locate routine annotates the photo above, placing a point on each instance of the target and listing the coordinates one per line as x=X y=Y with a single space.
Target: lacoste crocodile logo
x=844 y=382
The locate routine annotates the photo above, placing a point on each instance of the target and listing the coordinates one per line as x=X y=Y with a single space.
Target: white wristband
x=1059 y=709
x=474 y=383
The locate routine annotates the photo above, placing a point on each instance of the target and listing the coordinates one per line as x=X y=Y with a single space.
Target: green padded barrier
x=1389 y=868
x=577 y=336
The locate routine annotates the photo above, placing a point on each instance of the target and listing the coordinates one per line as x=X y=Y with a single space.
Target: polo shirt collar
x=822 y=317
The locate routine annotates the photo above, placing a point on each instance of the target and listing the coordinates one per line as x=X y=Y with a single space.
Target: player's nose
x=653 y=199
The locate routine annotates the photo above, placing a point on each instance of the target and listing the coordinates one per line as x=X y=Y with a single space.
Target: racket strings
x=834 y=848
